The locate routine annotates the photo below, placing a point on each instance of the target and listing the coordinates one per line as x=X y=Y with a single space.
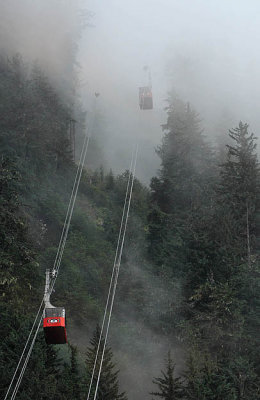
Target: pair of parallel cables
x=25 y=356
x=101 y=347
x=27 y=350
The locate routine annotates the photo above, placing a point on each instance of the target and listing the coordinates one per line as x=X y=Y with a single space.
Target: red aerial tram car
x=54 y=319
x=54 y=325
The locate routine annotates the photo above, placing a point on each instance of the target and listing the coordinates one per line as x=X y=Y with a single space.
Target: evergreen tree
x=13 y=106
x=231 y=379
x=216 y=312
x=239 y=192
x=74 y=374
x=108 y=388
x=224 y=306
x=181 y=197
x=110 y=180
x=70 y=385
x=170 y=388
x=49 y=124
x=206 y=381
x=184 y=156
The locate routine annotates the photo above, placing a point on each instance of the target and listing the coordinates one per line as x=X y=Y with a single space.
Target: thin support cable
x=72 y=206
x=58 y=257
x=69 y=205
x=63 y=237
x=117 y=274
x=19 y=380
x=73 y=196
x=26 y=344
x=112 y=276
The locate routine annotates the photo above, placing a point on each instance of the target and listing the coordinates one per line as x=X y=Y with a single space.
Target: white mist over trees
x=46 y=33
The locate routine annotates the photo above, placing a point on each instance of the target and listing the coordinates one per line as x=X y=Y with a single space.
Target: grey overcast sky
x=206 y=50
x=211 y=45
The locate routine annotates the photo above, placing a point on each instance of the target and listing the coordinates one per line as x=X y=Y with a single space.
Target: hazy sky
x=218 y=41
x=206 y=50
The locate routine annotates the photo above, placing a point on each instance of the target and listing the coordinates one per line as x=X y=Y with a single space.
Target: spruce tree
x=184 y=156
x=169 y=387
x=181 y=194
x=110 y=180
x=74 y=373
x=70 y=385
x=108 y=388
x=205 y=380
x=239 y=191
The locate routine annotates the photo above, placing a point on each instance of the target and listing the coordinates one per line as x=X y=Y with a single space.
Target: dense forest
x=194 y=232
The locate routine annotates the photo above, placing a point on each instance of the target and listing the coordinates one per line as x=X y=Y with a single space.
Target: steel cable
x=57 y=260
x=117 y=274
x=112 y=276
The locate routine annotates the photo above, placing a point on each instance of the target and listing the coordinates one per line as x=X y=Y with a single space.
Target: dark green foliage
x=238 y=193
x=108 y=388
x=169 y=387
x=184 y=156
x=110 y=181
x=239 y=174
x=43 y=369
x=217 y=312
x=203 y=231
x=221 y=308
x=178 y=195
x=204 y=381
x=71 y=384
x=35 y=123
x=17 y=260
x=230 y=379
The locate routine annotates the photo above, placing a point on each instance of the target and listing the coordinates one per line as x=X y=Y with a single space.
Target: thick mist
x=45 y=33
x=203 y=50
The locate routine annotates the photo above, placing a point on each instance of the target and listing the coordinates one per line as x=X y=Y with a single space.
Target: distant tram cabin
x=145 y=98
